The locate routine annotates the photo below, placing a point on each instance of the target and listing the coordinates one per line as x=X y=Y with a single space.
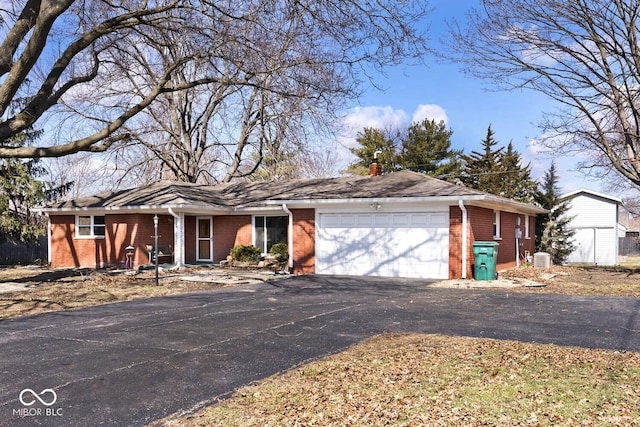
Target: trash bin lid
x=485 y=244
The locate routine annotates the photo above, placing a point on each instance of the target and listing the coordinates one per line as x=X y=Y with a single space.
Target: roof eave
x=481 y=200
x=139 y=208
x=590 y=192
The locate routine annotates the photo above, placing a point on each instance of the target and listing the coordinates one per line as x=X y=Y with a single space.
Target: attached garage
x=392 y=244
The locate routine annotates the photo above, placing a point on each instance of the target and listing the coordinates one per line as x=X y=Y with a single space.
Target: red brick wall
x=455 y=244
x=229 y=231
x=481 y=230
x=120 y=231
x=67 y=251
x=304 y=241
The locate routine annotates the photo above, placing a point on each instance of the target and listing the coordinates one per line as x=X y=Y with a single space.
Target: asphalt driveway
x=135 y=362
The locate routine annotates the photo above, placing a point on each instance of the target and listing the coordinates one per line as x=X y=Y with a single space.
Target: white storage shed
x=595 y=220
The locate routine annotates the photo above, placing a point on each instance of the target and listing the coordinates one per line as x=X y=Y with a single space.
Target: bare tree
x=584 y=54
x=100 y=64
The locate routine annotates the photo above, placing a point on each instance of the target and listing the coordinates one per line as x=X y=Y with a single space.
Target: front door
x=204 y=240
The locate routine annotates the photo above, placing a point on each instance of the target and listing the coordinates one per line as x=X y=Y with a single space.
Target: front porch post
x=178 y=239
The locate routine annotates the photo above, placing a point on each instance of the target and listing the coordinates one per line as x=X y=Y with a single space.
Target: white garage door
x=384 y=244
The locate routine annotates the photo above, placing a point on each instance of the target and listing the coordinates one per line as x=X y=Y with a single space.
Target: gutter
x=49 y=255
x=482 y=200
x=289 y=235
x=464 y=238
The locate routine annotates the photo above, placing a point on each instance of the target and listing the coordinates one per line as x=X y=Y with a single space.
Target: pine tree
x=426 y=148
x=21 y=191
x=372 y=140
x=517 y=183
x=498 y=172
x=553 y=234
x=483 y=170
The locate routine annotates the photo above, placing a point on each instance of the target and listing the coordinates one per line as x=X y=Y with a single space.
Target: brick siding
x=481 y=230
x=229 y=231
x=304 y=241
x=135 y=230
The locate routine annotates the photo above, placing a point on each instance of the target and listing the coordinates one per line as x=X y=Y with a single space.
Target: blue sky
x=441 y=91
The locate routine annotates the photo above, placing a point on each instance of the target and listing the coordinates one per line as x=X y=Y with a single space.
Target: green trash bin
x=486 y=256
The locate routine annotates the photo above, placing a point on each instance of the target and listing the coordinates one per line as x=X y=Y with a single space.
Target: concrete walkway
x=135 y=362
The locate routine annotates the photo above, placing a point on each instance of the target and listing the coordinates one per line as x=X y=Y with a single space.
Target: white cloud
x=375 y=116
x=380 y=117
x=430 y=112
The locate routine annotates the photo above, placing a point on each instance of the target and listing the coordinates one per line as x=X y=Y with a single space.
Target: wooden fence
x=629 y=245
x=13 y=252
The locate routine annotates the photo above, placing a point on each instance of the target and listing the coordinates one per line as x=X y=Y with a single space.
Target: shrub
x=245 y=253
x=280 y=251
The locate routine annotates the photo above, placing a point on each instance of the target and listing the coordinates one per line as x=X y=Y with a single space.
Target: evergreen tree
x=498 y=172
x=553 y=234
x=21 y=191
x=517 y=182
x=372 y=140
x=483 y=170
x=426 y=148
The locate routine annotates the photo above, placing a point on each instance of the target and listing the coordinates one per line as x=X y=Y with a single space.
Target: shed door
x=594 y=245
x=384 y=244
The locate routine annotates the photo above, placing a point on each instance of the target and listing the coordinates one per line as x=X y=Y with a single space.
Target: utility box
x=486 y=256
x=541 y=260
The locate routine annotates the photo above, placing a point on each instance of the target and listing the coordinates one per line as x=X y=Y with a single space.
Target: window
x=90 y=226
x=496 y=224
x=526 y=227
x=269 y=230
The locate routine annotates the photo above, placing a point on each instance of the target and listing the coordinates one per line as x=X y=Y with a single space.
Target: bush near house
x=245 y=253
x=280 y=251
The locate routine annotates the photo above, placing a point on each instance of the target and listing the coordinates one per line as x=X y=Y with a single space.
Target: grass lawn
x=434 y=380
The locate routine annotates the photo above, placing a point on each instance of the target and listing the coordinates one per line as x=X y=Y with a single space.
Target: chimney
x=375 y=168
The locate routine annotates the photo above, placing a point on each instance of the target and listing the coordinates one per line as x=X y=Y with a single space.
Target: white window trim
x=526 y=227
x=91 y=234
x=496 y=222
x=253 y=229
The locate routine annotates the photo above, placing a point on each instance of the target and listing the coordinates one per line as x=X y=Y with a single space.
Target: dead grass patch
x=442 y=381
x=580 y=280
x=54 y=290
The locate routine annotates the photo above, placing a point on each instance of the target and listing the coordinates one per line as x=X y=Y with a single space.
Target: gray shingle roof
x=403 y=184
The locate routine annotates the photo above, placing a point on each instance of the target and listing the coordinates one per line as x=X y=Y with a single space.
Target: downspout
x=464 y=238
x=178 y=239
x=289 y=235
x=49 y=239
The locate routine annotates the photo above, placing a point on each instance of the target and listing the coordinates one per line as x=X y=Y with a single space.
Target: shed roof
x=584 y=191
